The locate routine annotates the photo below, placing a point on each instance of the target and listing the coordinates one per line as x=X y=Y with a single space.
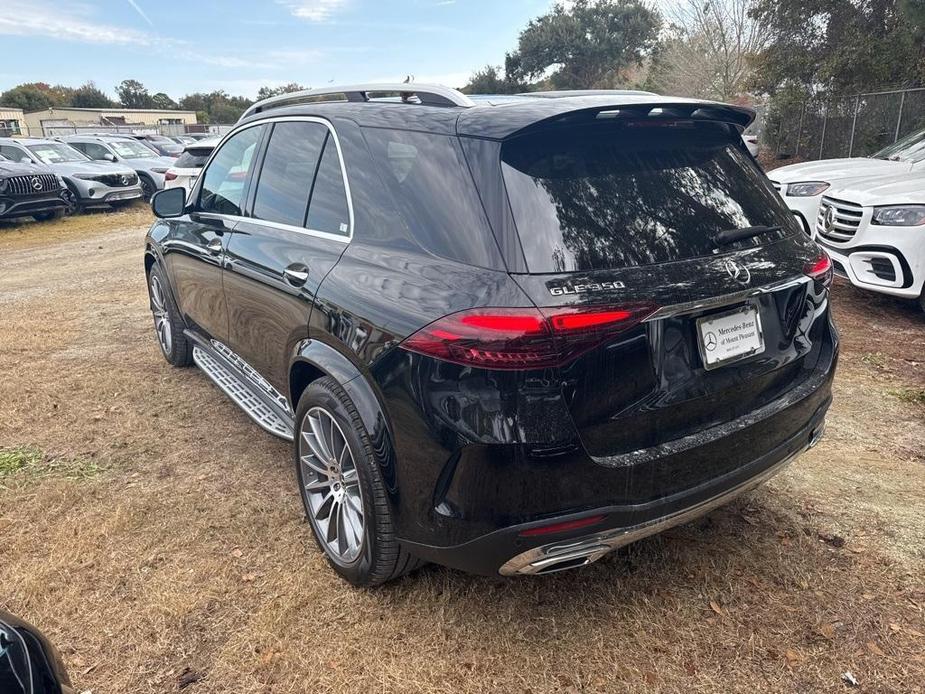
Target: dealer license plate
x=730 y=336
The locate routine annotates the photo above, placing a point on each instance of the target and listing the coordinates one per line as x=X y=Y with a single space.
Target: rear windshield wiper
x=727 y=236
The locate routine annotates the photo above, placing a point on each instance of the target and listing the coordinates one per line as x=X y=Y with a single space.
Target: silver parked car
x=90 y=183
x=119 y=149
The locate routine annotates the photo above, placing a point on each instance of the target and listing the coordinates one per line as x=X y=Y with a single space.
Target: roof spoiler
x=550 y=112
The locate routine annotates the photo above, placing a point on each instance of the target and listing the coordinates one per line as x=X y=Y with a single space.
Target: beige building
x=47 y=121
x=12 y=121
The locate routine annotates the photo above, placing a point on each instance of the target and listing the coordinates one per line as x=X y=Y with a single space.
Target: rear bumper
x=507 y=552
x=496 y=494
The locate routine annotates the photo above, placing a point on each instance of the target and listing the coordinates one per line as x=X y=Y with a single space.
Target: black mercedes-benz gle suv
x=505 y=334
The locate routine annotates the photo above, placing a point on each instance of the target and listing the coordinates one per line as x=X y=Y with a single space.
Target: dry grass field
x=156 y=534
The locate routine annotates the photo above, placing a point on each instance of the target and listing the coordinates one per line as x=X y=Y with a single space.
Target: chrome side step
x=259 y=400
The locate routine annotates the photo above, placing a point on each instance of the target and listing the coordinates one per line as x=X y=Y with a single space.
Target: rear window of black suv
x=619 y=195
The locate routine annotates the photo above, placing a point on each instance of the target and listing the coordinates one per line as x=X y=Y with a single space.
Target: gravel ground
x=156 y=534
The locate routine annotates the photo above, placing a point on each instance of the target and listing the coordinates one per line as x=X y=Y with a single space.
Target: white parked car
x=185 y=171
x=875 y=233
x=803 y=185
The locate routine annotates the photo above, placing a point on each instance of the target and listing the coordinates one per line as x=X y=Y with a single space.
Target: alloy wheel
x=333 y=497
x=161 y=318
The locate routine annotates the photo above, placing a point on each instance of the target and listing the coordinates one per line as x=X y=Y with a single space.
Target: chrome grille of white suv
x=838 y=220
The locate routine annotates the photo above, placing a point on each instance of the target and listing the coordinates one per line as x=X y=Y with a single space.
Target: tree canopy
x=586 y=45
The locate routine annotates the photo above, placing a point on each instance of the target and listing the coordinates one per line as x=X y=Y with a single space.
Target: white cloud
x=34 y=18
x=312 y=10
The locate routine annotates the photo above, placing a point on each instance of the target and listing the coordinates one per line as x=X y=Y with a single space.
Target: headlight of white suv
x=899 y=215
x=806 y=189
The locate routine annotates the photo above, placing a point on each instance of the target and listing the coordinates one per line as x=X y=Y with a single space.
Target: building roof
x=102 y=109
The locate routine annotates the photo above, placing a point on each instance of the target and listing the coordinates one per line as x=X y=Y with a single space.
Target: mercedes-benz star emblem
x=124 y=180
x=36 y=183
x=828 y=219
x=709 y=341
x=737 y=271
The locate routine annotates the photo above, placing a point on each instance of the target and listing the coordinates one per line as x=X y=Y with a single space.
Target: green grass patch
x=875 y=359
x=914 y=396
x=29 y=461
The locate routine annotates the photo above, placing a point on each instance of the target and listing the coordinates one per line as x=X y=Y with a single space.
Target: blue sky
x=202 y=45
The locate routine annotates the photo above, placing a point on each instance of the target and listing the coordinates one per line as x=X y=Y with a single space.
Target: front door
x=194 y=251
x=298 y=226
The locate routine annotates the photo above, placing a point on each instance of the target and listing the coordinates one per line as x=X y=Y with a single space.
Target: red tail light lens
x=820 y=270
x=522 y=338
x=170 y=175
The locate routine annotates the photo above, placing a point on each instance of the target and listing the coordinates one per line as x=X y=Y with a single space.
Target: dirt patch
x=185 y=560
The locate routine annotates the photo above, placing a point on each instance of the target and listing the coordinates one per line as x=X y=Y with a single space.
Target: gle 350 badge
x=567 y=289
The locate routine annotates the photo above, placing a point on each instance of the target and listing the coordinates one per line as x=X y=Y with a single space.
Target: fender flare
x=330 y=362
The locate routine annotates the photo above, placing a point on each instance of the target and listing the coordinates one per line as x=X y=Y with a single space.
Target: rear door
x=629 y=215
x=299 y=223
x=194 y=251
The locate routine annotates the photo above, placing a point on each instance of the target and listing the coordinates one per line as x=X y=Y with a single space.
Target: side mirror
x=29 y=664
x=109 y=156
x=25 y=160
x=168 y=203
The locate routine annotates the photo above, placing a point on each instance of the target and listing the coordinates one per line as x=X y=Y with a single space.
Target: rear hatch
x=644 y=213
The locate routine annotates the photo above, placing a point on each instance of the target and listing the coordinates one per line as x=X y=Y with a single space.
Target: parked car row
x=44 y=178
x=868 y=213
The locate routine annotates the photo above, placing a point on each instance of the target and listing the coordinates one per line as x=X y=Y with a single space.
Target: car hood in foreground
x=12 y=168
x=68 y=168
x=893 y=190
x=837 y=169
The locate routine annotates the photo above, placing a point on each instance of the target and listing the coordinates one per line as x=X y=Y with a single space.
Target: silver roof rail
x=427 y=94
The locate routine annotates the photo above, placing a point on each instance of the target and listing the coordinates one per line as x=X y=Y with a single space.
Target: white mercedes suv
x=803 y=185
x=874 y=232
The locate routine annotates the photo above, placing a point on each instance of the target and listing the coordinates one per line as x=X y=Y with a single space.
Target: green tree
x=218 y=106
x=133 y=94
x=842 y=46
x=31 y=96
x=161 y=100
x=267 y=92
x=88 y=95
x=491 y=80
x=587 y=45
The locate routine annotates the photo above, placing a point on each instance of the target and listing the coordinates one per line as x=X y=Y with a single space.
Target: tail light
x=523 y=338
x=820 y=270
x=170 y=175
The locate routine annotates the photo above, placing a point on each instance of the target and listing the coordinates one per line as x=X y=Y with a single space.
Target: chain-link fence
x=850 y=126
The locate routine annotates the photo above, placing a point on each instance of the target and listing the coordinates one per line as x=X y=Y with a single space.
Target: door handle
x=296 y=275
x=214 y=246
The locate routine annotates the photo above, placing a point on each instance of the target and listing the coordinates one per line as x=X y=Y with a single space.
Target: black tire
x=73 y=203
x=177 y=349
x=381 y=557
x=48 y=216
x=147 y=187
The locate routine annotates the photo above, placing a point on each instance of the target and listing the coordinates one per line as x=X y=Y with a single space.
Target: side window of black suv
x=223 y=183
x=301 y=181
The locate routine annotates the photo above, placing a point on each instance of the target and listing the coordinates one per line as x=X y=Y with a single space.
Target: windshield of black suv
x=911 y=149
x=55 y=153
x=130 y=149
x=621 y=195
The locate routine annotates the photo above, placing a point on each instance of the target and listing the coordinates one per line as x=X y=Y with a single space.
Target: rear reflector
x=170 y=175
x=523 y=338
x=562 y=527
x=820 y=270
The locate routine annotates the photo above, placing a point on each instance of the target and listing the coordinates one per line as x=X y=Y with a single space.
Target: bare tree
x=709 y=49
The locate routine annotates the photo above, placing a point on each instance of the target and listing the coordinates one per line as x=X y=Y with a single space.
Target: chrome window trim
x=317 y=233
